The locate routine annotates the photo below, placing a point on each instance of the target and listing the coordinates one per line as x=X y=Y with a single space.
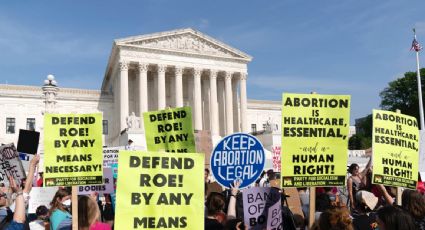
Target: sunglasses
x=3 y=195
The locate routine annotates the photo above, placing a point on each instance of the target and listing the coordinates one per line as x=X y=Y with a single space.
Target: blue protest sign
x=237 y=156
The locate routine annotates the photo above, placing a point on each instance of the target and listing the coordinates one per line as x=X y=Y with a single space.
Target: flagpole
x=418 y=76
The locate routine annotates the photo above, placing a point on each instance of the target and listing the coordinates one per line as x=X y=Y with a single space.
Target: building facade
x=146 y=73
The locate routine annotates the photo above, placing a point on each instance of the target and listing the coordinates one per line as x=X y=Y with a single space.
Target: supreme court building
x=145 y=73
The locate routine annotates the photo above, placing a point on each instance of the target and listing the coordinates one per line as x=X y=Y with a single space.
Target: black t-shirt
x=213 y=224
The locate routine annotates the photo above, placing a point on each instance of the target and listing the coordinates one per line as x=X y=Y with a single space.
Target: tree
x=358 y=141
x=402 y=94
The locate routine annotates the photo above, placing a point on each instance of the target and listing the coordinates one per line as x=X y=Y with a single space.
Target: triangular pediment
x=184 y=41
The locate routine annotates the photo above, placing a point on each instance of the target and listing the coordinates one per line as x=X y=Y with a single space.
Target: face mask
x=67 y=203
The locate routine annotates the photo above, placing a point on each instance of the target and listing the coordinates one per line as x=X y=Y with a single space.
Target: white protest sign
x=41 y=196
x=256 y=204
x=110 y=156
x=10 y=164
x=107 y=187
x=274 y=218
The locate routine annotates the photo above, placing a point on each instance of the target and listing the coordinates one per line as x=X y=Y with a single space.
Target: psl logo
x=287 y=181
x=378 y=179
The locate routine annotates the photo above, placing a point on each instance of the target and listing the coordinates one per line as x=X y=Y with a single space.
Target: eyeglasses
x=3 y=195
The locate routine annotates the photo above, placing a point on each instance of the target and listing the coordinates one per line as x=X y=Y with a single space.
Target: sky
x=350 y=47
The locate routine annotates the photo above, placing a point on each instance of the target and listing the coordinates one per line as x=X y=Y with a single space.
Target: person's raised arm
x=19 y=215
x=33 y=164
x=231 y=210
x=388 y=198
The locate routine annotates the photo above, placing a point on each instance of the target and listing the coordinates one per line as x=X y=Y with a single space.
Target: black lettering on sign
x=160 y=222
x=161 y=162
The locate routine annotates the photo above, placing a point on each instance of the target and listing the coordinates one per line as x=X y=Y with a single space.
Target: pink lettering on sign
x=276 y=158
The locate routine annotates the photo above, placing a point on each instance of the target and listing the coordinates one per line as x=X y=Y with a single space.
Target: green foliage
x=402 y=94
x=358 y=141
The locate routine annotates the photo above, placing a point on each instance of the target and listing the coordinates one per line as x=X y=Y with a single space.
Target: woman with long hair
x=60 y=210
x=89 y=215
x=414 y=203
x=336 y=219
x=356 y=181
x=394 y=218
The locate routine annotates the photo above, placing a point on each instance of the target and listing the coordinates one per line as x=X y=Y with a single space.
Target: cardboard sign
x=274 y=217
x=106 y=187
x=170 y=130
x=164 y=191
x=73 y=149
x=256 y=204
x=238 y=156
x=10 y=164
x=315 y=138
x=41 y=196
x=395 y=149
x=294 y=201
x=28 y=141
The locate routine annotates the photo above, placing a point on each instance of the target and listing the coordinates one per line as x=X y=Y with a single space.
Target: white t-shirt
x=37 y=225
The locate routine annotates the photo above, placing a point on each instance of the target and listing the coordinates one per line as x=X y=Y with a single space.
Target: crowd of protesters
x=14 y=200
x=359 y=206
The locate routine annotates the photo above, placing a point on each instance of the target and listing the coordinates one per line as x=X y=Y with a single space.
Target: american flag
x=416 y=46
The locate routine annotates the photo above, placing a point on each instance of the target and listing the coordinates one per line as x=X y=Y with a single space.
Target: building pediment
x=187 y=41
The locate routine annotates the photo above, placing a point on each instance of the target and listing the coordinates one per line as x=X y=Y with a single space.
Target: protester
x=414 y=203
x=387 y=197
x=235 y=224
x=394 y=218
x=261 y=179
x=336 y=219
x=215 y=211
x=231 y=208
x=89 y=215
x=4 y=207
x=59 y=210
x=107 y=210
x=207 y=176
x=332 y=192
x=363 y=217
x=18 y=220
x=40 y=179
x=40 y=223
x=305 y=202
x=129 y=145
x=323 y=203
x=356 y=181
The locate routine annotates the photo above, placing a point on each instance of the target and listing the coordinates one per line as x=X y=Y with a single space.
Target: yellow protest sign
x=395 y=149
x=164 y=191
x=170 y=130
x=314 y=139
x=73 y=149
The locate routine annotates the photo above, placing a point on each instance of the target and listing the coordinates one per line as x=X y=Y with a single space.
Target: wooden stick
x=399 y=189
x=312 y=201
x=312 y=212
x=74 y=201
